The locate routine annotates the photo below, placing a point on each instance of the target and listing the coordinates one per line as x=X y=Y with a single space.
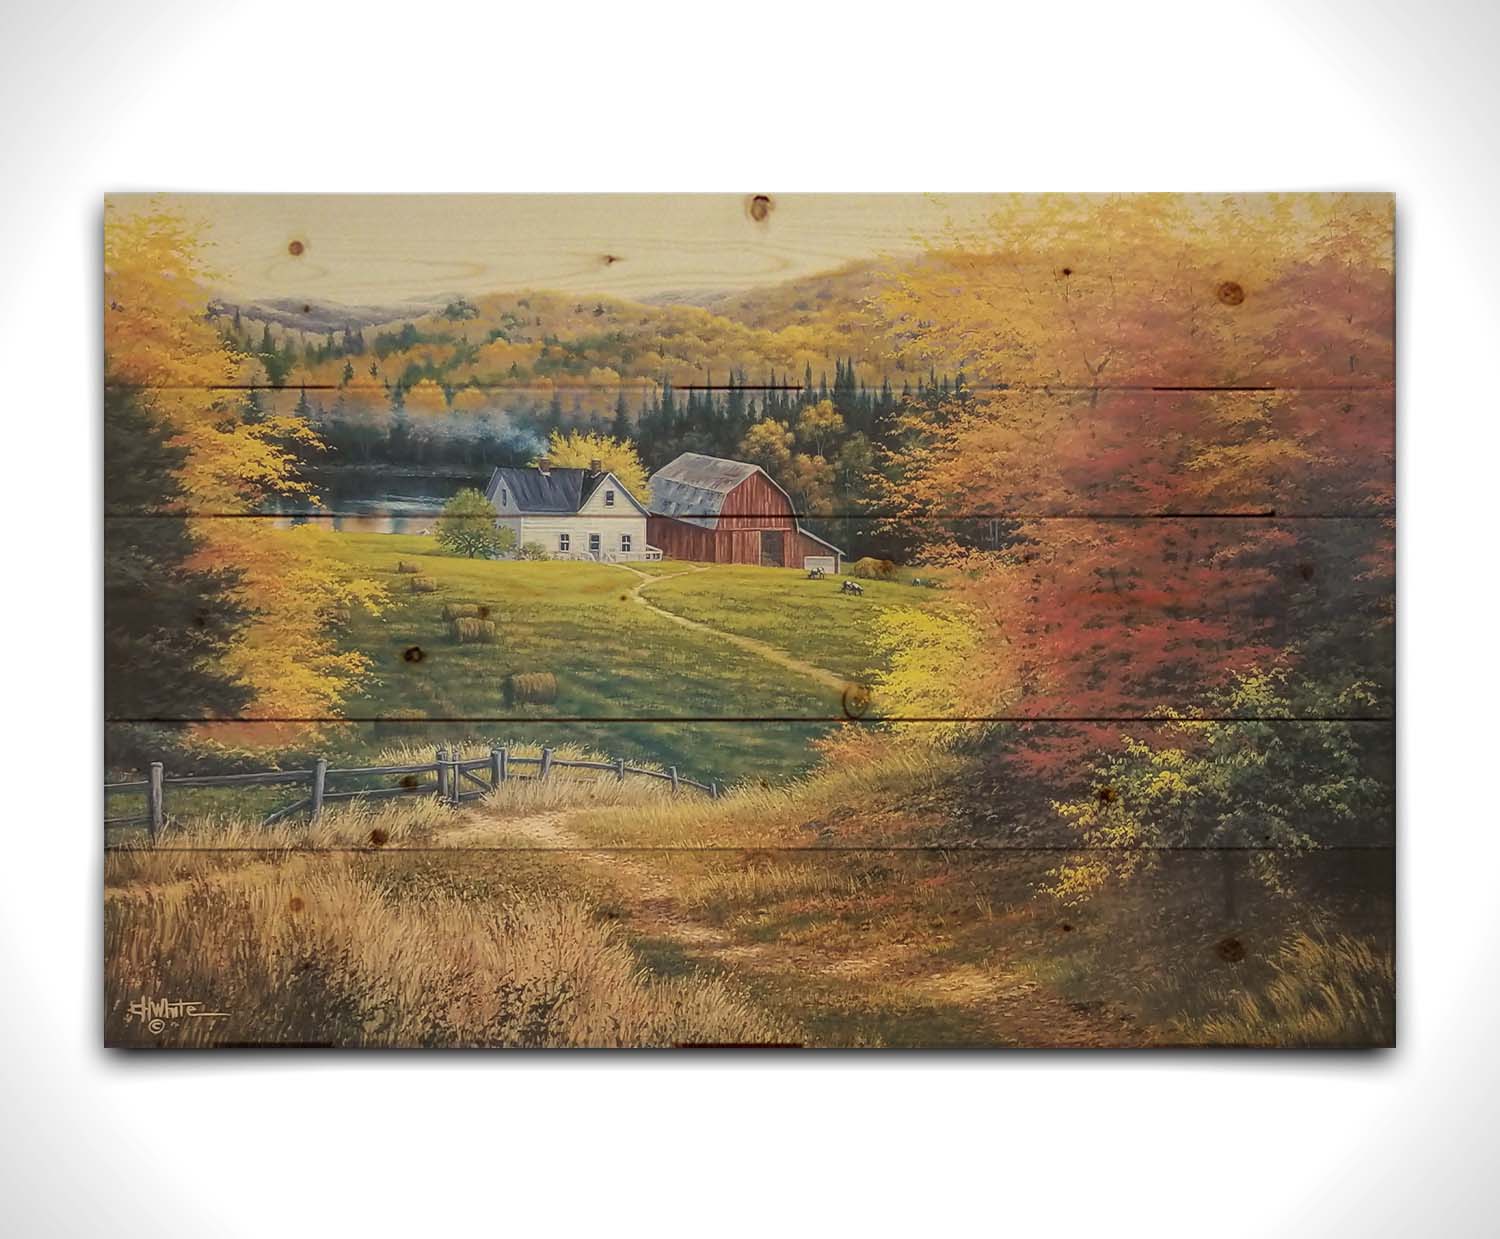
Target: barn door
x=772 y=548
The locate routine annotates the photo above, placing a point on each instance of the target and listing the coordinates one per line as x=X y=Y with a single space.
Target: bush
x=424 y=585
x=537 y=687
x=533 y=550
x=473 y=632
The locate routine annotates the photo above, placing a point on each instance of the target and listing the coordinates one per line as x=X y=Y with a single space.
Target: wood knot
x=1231 y=293
x=856 y=701
x=611 y=259
x=1230 y=950
x=295 y=903
x=759 y=208
x=295 y=249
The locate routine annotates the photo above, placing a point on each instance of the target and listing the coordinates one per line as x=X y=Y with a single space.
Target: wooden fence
x=454 y=780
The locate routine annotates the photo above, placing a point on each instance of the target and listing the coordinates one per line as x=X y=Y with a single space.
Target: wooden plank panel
x=1120 y=786
x=1174 y=290
x=866 y=949
x=1029 y=453
x=1101 y=618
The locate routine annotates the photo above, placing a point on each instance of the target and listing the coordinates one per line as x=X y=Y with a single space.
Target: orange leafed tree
x=1099 y=337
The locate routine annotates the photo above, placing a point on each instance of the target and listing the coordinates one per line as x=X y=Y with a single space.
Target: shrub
x=532 y=550
x=473 y=631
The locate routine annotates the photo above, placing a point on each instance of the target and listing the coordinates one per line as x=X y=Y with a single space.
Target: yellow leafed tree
x=156 y=336
x=579 y=450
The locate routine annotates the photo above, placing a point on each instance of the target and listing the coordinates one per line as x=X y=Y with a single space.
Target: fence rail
x=450 y=774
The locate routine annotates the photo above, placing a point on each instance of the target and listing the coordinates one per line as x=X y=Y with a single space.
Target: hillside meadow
x=616 y=661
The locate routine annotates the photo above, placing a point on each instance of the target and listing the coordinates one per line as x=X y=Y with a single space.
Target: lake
x=375 y=499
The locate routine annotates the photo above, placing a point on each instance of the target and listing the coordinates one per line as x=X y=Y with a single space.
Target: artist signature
x=156 y=1013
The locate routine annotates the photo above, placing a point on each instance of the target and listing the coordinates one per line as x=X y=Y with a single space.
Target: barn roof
x=692 y=487
x=557 y=490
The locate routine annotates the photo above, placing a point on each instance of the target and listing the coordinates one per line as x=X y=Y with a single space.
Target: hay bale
x=424 y=585
x=872 y=569
x=534 y=687
x=468 y=631
x=464 y=610
x=405 y=565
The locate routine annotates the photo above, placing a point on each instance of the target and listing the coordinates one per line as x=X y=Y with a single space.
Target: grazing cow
x=851 y=587
x=815 y=574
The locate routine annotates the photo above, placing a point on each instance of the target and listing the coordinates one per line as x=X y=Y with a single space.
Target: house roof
x=557 y=490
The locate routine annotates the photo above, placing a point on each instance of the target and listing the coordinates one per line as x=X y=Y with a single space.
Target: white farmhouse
x=571 y=513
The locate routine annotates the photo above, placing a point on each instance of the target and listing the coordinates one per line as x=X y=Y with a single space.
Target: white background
x=756 y=96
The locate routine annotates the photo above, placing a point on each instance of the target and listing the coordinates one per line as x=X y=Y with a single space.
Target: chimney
x=544 y=466
x=596 y=466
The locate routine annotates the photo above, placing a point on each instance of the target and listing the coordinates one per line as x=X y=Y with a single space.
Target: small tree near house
x=467 y=527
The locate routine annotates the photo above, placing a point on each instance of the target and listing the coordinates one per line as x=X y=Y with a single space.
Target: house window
x=594 y=542
x=609 y=499
x=564 y=542
x=624 y=541
x=503 y=499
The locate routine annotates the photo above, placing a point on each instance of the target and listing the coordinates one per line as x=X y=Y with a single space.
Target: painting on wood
x=829 y=621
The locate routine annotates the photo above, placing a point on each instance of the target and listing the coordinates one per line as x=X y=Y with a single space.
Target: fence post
x=713 y=788
x=320 y=777
x=676 y=786
x=620 y=770
x=442 y=773
x=496 y=759
x=153 y=799
x=546 y=762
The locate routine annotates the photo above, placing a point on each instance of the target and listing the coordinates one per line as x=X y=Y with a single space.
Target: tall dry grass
x=301 y=952
x=840 y=803
x=1323 y=991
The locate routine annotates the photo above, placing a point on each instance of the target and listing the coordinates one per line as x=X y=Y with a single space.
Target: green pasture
x=616 y=662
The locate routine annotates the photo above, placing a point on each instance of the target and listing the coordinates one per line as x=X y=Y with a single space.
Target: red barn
x=729 y=512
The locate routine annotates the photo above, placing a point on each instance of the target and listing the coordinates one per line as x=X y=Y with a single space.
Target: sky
x=384 y=248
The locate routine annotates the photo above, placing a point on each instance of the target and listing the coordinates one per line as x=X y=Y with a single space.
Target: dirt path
x=1005 y=1005
x=769 y=652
